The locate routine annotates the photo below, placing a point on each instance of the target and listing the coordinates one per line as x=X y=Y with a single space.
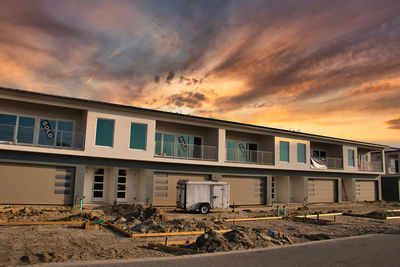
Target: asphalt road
x=370 y=250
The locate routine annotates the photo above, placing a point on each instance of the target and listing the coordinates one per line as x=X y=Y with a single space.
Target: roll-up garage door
x=165 y=187
x=36 y=184
x=366 y=190
x=322 y=190
x=246 y=190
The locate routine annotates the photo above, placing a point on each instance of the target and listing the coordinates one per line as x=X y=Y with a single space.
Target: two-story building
x=60 y=150
x=391 y=178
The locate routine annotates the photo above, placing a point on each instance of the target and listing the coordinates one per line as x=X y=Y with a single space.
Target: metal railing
x=185 y=151
x=371 y=166
x=249 y=156
x=40 y=137
x=334 y=163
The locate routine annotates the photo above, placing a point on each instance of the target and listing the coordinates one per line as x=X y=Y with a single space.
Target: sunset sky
x=322 y=67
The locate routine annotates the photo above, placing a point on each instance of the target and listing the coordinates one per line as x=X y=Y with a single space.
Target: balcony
x=326 y=163
x=370 y=166
x=185 y=151
x=40 y=137
x=249 y=156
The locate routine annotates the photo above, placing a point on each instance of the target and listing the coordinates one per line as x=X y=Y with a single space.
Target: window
x=284 y=151
x=121 y=185
x=65 y=133
x=98 y=183
x=301 y=153
x=7 y=127
x=158 y=143
x=105 y=132
x=26 y=130
x=168 y=145
x=319 y=154
x=138 y=136
x=231 y=150
x=350 y=159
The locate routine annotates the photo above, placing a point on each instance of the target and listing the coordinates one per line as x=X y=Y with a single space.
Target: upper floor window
x=301 y=153
x=49 y=132
x=138 y=136
x=7 y=127
x=350 y=159
x=284 y=151
x=105 y=132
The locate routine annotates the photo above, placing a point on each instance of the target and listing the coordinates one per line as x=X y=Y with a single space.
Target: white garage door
x=164 y=189
x=321 y=190
x=246 y=190
x=366 y=190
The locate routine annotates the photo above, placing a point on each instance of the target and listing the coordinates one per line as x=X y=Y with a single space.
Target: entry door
x=217 y=196
x=98 y=184
x=121 y=185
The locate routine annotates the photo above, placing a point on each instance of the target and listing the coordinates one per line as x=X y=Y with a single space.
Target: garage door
x=36 y=184
x=246 y=190
x=366 y=190
x=165 y=187
x=320 y=190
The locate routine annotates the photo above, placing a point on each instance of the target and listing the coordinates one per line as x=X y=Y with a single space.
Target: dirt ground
x=21 y=245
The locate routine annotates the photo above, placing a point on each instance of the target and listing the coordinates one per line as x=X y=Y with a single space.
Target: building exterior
x=391 y=178
x=60 y=150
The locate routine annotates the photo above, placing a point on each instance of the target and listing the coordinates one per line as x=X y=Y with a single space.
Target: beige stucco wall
x=297 y=189
x=282 y=189
x=293 y=163
x=346 y=166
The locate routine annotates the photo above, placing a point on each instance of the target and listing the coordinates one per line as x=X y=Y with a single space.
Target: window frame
x=113 y=132
x=304 y=152
x=352 y=157
x=288 y=151
x=145 y=137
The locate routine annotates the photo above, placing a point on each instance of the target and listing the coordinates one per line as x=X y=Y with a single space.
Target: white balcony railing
x=249 y=156
x=371 y=166
x=185 y=151
x=40 y=137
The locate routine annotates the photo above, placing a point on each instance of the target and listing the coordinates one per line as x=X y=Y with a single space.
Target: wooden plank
x=182 y=250
x=253 y=219
x=120 y=230
x=394 y=217
x=39 y=223
x=177 y=242
x=176 y=233
x=392 y=210
x=320 y=215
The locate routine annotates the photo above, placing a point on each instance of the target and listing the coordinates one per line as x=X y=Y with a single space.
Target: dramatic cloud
x=394 y=124
x=328 y=67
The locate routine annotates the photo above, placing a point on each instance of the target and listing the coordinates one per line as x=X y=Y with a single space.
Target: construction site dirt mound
x=212 y=241
x=238 y=238
x=138 y=212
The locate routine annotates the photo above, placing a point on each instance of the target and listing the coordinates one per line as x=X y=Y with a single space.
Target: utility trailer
x=202 y=195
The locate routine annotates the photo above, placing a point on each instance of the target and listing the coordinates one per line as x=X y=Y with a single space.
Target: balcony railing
x=326 y=163
x=370 y=166
x=334 y=163
x=249 y=156
x=40 y=137
x=185 y=151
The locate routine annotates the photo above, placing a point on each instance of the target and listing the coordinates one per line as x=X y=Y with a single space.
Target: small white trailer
x=202 y=195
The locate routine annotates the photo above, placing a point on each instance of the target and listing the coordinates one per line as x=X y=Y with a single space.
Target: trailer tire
x=204 y=208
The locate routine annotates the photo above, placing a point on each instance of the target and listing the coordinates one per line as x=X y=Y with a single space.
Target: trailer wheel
x=204 y=208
